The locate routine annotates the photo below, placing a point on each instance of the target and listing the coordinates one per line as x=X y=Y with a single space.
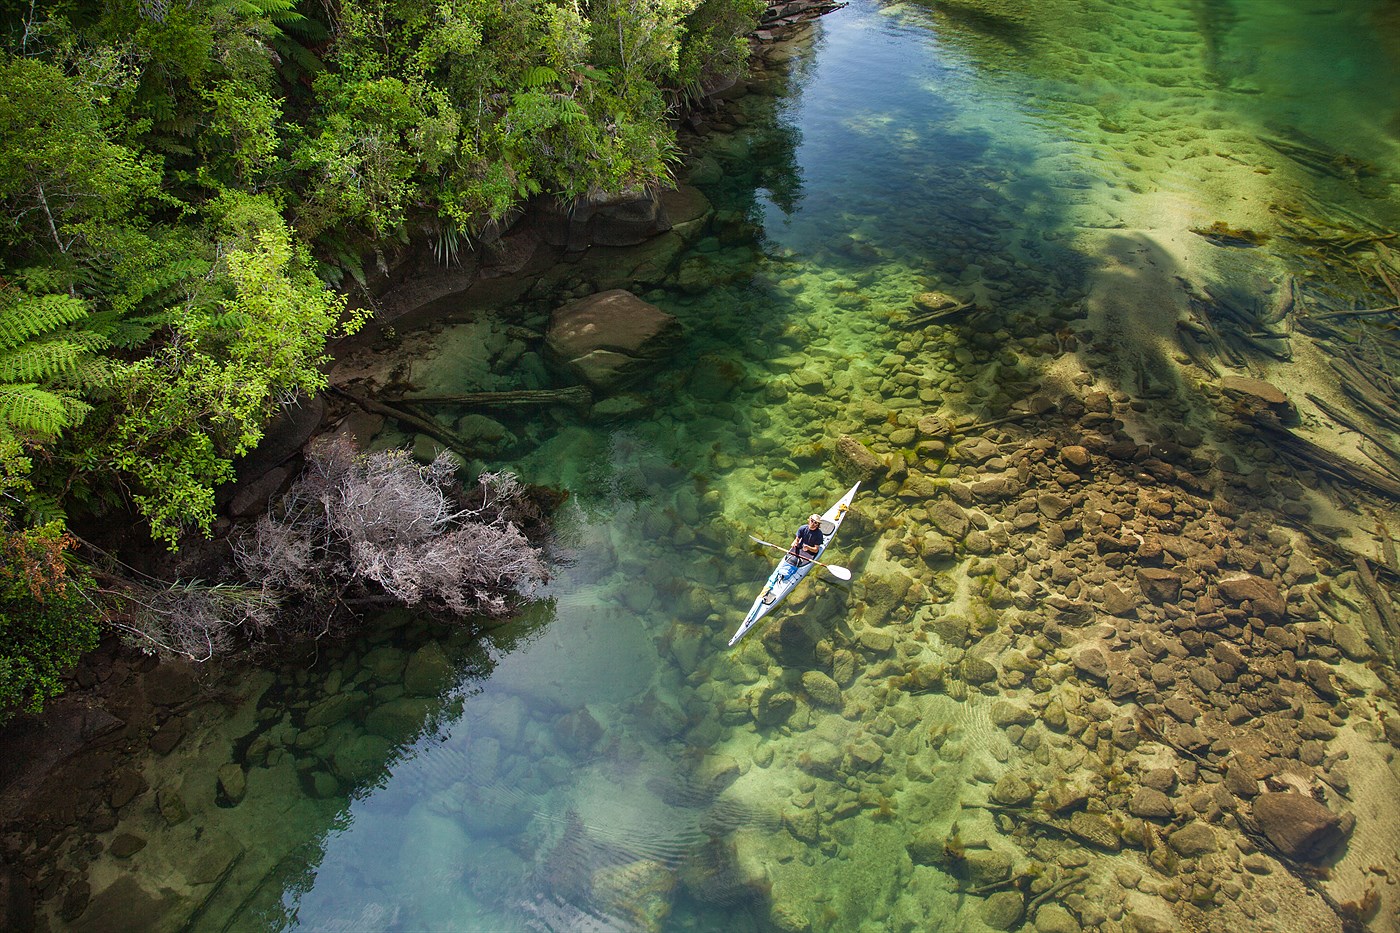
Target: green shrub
x=46 y=620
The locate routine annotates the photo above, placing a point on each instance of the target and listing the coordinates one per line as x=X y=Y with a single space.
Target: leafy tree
x=255 y=340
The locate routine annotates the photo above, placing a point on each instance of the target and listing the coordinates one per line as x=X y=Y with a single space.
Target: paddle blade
x=840 y=573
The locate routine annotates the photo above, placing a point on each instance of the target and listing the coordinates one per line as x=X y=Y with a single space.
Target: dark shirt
x=807 y=535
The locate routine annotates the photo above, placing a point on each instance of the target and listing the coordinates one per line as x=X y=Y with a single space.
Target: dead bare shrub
x=192 y=619
x=382 y=522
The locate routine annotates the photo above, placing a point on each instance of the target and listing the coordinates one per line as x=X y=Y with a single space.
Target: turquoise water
x=604 y=762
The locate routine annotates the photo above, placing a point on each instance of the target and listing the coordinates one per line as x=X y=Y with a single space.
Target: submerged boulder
x=1301 y=827
x=610 y=340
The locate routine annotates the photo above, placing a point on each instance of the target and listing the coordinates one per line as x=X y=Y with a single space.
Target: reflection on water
x=995 y=723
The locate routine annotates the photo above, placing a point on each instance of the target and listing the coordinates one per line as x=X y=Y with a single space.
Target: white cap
x=814 y=518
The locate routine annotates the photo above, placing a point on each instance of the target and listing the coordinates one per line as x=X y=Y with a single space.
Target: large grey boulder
x=610 y=340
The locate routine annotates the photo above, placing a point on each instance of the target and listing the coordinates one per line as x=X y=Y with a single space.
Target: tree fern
x=24 y=317
x=28 y=410
x=42 y=360
x=47 y=360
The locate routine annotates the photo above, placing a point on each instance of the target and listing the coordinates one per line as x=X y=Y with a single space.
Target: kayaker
x=807 y=543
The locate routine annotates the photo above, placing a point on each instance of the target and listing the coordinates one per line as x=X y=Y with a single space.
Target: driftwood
x=1324 y=461
x=937 y=315
x=1351 y=424
x=1382 y=625
x=451 y=439
x=1070 y=882
x=1359 y=312
x=570 y=395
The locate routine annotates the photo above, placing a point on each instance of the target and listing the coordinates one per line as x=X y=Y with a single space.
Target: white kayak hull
x=780 y=583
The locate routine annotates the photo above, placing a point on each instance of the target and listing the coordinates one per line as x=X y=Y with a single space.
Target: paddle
x=840 y=573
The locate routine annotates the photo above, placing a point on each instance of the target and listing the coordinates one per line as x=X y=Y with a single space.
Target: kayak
x=776 y=588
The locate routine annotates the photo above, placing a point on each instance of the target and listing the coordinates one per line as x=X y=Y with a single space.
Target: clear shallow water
x=604 y=763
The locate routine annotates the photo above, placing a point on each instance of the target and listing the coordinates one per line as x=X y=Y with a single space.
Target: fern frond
x=41 y=360
x=23 y=317
x=27 y=409
x=41 y=508
x=539 y=76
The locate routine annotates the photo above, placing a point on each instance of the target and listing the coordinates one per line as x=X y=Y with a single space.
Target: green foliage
x=182 y=181
x=46 y=620
x=46 y=361
x=203 y=398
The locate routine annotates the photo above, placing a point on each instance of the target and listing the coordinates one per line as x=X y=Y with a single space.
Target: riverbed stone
x=125 y=845
x=1259 y=596
x=1012 y=790
x=1116 y=602
x=125 y=787
x=948 y=518
x=612 y=339
x=1095 y=830
x=1075 y=457
x=428 y=671
x=1003 y=910
x=577 y=732
x=822 y=689
x=1193 y=840
x=1301 y=827
x=232 y=783
x=1150 y=803
x=853 y=462
x=1053 y=918
x=1159 y=584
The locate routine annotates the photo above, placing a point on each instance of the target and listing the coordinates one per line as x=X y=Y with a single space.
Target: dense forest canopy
x=190 y=186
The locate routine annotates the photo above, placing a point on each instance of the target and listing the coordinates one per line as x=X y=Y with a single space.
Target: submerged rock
x=611 y=339
x=853 y=462
x=1301 y=827
x=822 y=689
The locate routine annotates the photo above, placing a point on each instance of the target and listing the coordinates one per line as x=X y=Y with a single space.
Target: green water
x=604 y=762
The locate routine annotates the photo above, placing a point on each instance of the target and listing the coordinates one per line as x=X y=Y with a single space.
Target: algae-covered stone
x=1193 y=839
x=918 y=487
x=428 y=672
x=334 y=709
x=822 y=689
x=773 y=707
x=171 y=806
x=978 y=671
x=398 y=719
x=865 y=756
x=638 y=893
x=1006 y=714
x=987 y=866
x=1012 y=791
x=1096 y=830
x=360 y=759
x=789 y=917
x=232 y=782
x=1053 y=918
x=928 y=847
x=853 y=462
x=876 y=641
x=1003 y=910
